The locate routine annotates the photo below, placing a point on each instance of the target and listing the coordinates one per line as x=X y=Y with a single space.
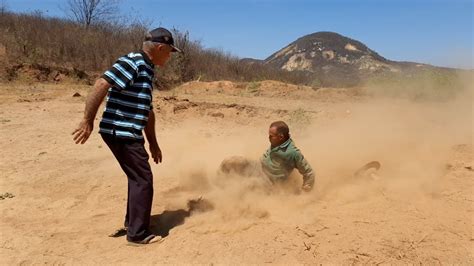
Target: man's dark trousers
x=133 y=159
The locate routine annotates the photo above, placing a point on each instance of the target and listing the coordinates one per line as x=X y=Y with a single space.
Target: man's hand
x=156 y=153
x=307 y=188
x=83 y=131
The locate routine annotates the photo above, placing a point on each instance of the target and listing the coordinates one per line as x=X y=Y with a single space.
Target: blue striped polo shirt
x=129 y=99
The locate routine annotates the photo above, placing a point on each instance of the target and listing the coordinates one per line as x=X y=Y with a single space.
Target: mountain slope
x=336 y=60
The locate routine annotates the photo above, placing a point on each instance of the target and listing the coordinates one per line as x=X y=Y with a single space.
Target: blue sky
x=438 y=32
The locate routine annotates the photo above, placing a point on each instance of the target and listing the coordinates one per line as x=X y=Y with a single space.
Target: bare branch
x=89 y=12
x=3 y=7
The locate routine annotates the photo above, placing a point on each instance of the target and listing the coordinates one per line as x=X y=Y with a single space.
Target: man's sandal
x=119 y=232
x=147 y=240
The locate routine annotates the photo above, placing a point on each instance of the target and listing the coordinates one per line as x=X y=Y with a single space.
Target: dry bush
x=35 y=39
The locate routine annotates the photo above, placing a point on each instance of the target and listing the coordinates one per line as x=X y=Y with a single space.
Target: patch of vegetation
x=253 y=86
x=316 y=83
x=299 y=118
x=36 y=39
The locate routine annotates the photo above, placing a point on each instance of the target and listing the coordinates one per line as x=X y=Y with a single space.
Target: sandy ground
x=68 y=198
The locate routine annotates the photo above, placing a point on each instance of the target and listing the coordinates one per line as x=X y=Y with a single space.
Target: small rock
x=58 y=77
x=23 y=101
x=42 y=153
x=77 y=94
x=170 y=98
x=218 y=114
x=469 y=168
x=6 y=195
x=179 y=107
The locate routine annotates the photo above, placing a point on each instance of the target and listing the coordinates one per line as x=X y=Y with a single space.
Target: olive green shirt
x=279 y=162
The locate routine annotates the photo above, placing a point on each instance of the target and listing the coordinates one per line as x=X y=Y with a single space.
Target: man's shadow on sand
x=161 y=224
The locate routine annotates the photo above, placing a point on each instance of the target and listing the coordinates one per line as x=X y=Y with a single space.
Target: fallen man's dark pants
x=133 y=159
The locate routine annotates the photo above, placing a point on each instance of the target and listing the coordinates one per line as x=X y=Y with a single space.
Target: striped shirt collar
x=146 y=58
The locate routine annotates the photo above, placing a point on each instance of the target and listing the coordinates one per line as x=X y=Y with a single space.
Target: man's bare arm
x=93 y=101
x=95 y=98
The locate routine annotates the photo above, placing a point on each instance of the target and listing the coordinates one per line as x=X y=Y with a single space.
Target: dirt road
x=68 y=198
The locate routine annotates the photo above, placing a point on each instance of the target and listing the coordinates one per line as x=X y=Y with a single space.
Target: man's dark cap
x=162 y=35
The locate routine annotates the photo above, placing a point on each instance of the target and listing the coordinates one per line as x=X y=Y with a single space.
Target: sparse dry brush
x=36 y=39
x=33 y=38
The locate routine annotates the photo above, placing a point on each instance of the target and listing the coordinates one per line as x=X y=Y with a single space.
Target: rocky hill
x=336 y=60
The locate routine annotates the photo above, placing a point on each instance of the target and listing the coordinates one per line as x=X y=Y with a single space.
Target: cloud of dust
x=422 y=84
x=412 y=137
x=412 y=140
x=195 y=151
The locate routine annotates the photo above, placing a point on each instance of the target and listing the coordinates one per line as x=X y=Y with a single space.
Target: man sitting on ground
x=277 y=163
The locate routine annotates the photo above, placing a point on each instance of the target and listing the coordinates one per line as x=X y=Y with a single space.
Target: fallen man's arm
x=305 y=170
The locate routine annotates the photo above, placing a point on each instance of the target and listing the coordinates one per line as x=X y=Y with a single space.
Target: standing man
x=129 y=111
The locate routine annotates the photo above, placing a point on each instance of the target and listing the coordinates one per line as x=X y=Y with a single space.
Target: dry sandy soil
x=67 y=198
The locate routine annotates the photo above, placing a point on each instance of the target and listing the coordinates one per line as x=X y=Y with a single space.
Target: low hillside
x=37 y=42
x=336 y=60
